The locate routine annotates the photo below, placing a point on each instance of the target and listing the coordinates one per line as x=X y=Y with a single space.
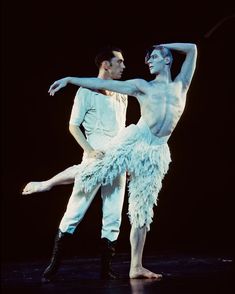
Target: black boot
x=107 y=252
x=57 y=253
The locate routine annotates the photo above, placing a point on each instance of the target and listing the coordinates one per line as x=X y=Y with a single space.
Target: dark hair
x=105 y=54
x=165 y=52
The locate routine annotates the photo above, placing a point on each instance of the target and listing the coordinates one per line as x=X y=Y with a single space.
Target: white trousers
x=112 y=200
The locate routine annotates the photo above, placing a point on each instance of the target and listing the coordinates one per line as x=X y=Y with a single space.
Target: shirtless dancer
x=141 y=149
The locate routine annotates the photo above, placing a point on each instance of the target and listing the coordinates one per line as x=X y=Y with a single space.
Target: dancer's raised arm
x=189 y=64
x=129 y=87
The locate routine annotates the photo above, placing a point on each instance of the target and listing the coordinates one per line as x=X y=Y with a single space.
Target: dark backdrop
x=42 y=42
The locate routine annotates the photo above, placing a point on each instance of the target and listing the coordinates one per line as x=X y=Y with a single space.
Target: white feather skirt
x=146 y=157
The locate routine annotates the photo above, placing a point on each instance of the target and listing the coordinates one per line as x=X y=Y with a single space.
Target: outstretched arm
x=129 y=87
x=189 y=64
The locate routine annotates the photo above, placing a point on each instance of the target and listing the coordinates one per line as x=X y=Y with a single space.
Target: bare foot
x=143 y=273
x=35 y=187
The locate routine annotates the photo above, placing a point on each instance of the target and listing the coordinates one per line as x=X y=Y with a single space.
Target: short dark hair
x=106 y=54
x=165 y=52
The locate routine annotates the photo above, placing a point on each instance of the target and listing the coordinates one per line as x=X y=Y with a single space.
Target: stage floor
x=184 y=274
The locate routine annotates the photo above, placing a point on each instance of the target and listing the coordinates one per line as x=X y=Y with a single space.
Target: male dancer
x=141 y=149
x=102 y=115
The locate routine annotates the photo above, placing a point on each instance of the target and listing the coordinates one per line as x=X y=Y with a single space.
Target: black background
x=44 y=41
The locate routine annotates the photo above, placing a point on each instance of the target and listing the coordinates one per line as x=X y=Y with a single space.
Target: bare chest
x=163 y=108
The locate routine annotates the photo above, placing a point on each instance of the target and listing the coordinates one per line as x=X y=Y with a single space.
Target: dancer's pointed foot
x=36 y=187
x=143 y=273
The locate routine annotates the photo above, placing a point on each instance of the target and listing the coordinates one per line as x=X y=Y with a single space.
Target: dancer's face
x=116 y=66
x=156 y=62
